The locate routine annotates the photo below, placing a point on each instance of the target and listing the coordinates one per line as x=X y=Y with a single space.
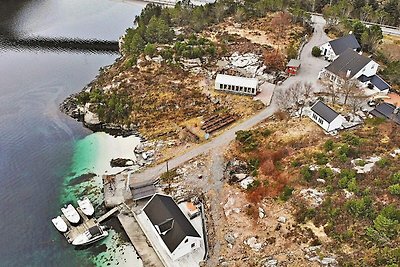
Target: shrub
x=361 y=162
x=360 y=207
x=266 y=132
x=396 y=178
x=352 y=139
x=321 y=158
x=150 y=50
x=295 y=163
x=316 y=52
x=307 y=173
x=255 y=184
x=394 y=189
x=286 y=193
x=329 y=145
x=383 y=162
x=325 y=173
x=352 y=186
x=243 y=136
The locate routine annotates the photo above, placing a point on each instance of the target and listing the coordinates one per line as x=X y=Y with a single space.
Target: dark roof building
x=387 y=111
x=348 y=64
x=324 y=111
x=169 y=221
x=342 y=44
x=375 y=80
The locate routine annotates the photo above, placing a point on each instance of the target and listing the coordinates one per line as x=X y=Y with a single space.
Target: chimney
x=348 y=73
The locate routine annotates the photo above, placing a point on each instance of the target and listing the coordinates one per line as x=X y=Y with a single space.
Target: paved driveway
x=310 y=67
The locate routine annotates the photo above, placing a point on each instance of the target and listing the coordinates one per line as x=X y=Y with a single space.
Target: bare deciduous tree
x=349 y=88
x=280 y=23
x=356 y=99
x=333 y=92
x=308 y=89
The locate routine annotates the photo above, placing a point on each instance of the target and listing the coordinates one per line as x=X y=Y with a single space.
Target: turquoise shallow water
x=84 y=179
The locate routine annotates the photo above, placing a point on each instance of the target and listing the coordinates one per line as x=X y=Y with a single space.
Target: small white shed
x=236 y=84
x=326 y=117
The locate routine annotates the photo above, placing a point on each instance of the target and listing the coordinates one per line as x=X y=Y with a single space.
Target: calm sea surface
x=37 y=142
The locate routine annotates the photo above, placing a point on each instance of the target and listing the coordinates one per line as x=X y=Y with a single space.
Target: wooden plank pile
x=216 y=122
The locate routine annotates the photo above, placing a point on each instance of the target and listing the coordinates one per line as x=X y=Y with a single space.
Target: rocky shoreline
x=71 y=107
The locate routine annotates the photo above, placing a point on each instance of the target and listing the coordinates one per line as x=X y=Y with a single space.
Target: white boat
x=91 y=235
x=71 y=214
x=60 y=224
x=86 y=206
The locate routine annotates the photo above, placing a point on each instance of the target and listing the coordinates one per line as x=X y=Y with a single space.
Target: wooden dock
x=75 y=231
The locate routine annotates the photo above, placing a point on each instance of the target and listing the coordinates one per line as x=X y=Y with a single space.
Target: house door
x=325 y=50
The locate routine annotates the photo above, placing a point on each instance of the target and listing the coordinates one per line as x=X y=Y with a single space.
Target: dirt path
x=308 y=73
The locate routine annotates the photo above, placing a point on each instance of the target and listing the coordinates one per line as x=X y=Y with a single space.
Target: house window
x=220 y=86
x=320 y=121
x=253 y=90
x=186 y=240
x=372 y=66
x=315 y=117
x=193 y=245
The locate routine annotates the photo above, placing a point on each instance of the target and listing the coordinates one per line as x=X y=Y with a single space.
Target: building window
x=314 y=117
x=186 y=240
x=320 y=121
x=253 y=90
x=372 y=66
x=193 y=245
x=220 y=86
x=224 y=86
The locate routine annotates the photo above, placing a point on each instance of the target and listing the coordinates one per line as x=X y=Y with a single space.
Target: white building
x=326 y=117
x=235 y=84
x=173 y=229
x=349 y=65
x=332 y=49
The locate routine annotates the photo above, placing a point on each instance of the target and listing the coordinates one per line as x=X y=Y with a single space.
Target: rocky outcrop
x=71 y=107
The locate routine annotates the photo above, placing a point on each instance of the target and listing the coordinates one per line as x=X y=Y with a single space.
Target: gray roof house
x=387 y=111
x=173 y=228
x=327 y=118
x=332 y=49
x=351 y=65
x=348 y=64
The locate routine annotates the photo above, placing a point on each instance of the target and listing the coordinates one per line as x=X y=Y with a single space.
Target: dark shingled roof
x=386 y=111
x=348 y=60
x=342 y=44
x=161 y=208
x=375 y=80
x=324 y=111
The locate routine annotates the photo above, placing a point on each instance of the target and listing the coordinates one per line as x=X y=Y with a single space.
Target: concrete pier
x=139 y=240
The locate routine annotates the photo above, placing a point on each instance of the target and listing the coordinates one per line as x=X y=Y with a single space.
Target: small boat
x=60 y=224
x=86 y=206
x=71 y=214
x=91 y=235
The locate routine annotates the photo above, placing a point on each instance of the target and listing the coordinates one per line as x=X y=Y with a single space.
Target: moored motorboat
x=60 y=224
x=86 y=206
x=70 y=213
x=91 y=235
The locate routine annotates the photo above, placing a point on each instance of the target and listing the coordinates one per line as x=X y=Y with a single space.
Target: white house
x=326 y=117
x=349 y=65
x=332 y=49
x=236 y=84
x=173 y=229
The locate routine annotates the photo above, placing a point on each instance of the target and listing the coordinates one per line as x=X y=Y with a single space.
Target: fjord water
x=37 y=142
